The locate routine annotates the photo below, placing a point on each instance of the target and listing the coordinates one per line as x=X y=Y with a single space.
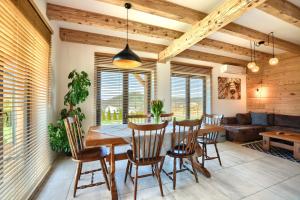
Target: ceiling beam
x=176 y=12
x=61 y=13
x=283 y=10
x=222 y=15
x=116 y=42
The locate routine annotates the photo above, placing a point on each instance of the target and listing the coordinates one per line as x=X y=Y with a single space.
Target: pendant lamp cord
x=127 y=26
x=251 y=50
x=273 y=44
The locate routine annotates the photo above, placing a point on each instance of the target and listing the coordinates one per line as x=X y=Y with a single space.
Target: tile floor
x=245 y=174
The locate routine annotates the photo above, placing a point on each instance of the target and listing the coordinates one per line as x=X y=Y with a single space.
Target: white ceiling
x=254 y=19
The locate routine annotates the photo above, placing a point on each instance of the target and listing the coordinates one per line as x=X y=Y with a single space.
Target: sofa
x=245 y=127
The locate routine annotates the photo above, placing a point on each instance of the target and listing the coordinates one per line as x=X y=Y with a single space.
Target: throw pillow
x=243 y=118
x=259 y=118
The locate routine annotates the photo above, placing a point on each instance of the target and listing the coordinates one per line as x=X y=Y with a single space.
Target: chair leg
x=152 y=170
x=127 y=171
x=102 y=162
x=181 y=162
x=136 y=181
x=77 y=175
x=203 y=154
x=162 y=164
x=174 y=174
x=194 y=170
x=159 y=180
x=219 y=158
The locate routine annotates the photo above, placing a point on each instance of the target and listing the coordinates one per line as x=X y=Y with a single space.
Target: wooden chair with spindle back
x=184 y=141
x=147 y=142
x=167 y=117
x=211 y=138
x=138 y=119
x=82 y=155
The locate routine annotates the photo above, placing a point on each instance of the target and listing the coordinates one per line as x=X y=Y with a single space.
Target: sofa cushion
x=287 y=120
x=282 y=128
x=271 y=119
x=243 y=118
x=259 y=118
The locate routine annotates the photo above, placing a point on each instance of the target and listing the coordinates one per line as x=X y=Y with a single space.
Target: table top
x=284 y=135
x=116 y=134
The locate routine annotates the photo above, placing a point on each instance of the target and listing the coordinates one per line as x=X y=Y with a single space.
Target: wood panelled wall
x=278 y=88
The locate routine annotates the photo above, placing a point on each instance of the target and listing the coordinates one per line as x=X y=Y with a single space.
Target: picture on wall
x=229 y=88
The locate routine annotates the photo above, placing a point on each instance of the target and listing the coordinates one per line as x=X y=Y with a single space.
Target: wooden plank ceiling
x=171 y=11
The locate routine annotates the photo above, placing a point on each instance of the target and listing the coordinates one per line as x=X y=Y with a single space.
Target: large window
x=24 y=76
x=188 y=96
x=122 y=92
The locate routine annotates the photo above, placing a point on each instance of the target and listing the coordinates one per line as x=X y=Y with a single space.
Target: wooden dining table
x=112 y=136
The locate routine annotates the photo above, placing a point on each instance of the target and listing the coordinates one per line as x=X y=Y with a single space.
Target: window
x=188 y=96
x=24 y=75
x=121 y=92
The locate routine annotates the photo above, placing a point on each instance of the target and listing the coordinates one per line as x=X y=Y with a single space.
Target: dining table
x=116 y=135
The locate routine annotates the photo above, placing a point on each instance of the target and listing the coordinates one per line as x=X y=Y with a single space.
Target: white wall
x=226 y=106
x=164 y=84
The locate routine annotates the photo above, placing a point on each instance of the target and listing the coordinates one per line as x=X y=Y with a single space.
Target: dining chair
x=81 y=155
x=166 y=116
x=140 y=118
x=147 y=140
x=210 y=138
x=184 y=141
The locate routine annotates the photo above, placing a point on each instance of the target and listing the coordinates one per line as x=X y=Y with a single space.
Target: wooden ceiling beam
x=222 y=15
x=116 y=42
x=61 y=13
x=283 y=10
x=186 y=15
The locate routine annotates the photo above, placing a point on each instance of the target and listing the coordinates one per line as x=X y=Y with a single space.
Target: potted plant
x=77 y=93
x=157 y=109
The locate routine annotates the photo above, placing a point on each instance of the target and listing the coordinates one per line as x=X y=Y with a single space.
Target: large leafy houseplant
x=78 y=91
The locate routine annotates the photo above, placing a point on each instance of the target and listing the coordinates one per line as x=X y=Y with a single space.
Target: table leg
x=197 y=164
x=297 y=150
x=113 y=187
x=266 y=143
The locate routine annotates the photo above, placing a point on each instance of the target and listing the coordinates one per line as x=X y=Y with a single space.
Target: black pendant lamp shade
x=127 y=58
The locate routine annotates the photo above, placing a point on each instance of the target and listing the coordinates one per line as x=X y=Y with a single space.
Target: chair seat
x=179 y=151
x=92 y=154
x=146 y=161
x=206 y=141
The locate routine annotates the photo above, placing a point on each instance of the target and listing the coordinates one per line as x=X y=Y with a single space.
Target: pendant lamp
x=127 y=58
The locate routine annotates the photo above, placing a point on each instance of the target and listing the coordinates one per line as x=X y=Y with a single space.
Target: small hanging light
x=127 y=58
x=273 y=60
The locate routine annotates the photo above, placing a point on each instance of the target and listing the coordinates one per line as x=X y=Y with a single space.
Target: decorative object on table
x=127 y=58
x=229 y=88
x=78 y=92
x=157 y=109
x=210 y=138
x=183 y=147
x=82 y=155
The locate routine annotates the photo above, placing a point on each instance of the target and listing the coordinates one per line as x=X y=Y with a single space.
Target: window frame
x=188 y=78
x=125 y=92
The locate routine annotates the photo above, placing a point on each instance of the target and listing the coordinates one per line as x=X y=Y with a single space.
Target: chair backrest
x=75 y=135
x=140 y=119
x=166 y=117
x=184 y=136
x=212 y=119
x=147 y=140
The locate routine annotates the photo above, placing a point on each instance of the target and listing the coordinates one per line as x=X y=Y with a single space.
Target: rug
x=275 y=151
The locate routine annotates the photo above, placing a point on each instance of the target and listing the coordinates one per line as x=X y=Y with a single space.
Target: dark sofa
x=245 y=127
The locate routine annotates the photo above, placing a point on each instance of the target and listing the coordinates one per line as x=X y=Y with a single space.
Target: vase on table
x=156 y=109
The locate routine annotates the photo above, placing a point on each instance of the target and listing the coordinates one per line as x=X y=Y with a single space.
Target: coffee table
x=292 y=137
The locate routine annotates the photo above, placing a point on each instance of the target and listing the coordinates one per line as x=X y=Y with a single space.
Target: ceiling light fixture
x=127 y=58
x=273 y=60
x=252 y=65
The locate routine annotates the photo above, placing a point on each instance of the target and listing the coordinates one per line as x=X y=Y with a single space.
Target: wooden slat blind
x=24 y=76
x=122 y=91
